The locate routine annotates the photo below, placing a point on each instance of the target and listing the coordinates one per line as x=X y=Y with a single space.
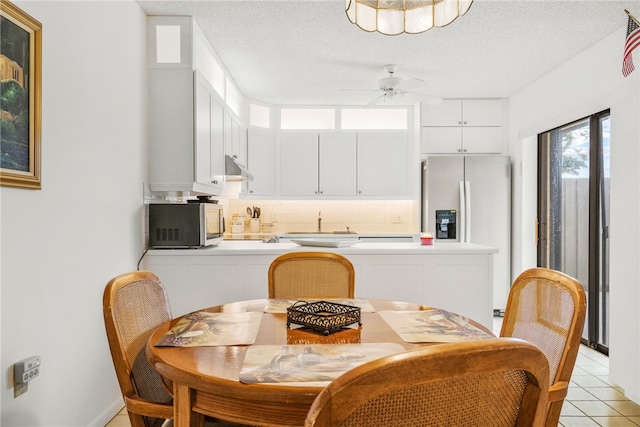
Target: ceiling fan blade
x=359 y=90
x=427 y=99
x=376 y=100
x=411 y=84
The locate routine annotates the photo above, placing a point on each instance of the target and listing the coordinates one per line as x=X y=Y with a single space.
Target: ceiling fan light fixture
x=392 y=17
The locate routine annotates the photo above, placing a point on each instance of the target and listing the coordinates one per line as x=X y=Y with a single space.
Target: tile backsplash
x=360 y=216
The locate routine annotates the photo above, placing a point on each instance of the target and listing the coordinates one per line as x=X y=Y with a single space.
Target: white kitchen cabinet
x=299 y=164
x=383 y=164
x=455 y=277
x=209 y=159
x=185 y=150
x=462 y=126
x=261 y=154
x=461 y=140
x=348 y=164
x=463 y=112
x=318 y=164
x=235 y=137
x=193 y=283
x=337 y=175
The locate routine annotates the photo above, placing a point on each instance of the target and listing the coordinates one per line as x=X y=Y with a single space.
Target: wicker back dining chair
x=134 y=305
x=297 y=275
x=498 y=382
x=548 y=308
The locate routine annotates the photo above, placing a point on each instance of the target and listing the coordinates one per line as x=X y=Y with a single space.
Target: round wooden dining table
x=205 y=380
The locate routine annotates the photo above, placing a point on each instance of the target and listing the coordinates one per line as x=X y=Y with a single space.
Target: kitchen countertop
x=257 y=247
x=327 y=235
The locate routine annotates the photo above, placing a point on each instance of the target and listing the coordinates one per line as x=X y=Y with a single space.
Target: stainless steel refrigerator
x=468 y=199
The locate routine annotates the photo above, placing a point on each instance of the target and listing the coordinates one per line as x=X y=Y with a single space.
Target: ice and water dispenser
x=446 y=224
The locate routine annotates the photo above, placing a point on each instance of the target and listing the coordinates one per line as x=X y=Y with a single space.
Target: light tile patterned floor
x=592 y=400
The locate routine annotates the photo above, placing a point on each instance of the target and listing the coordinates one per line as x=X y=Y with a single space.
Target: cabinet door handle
x=214 y=181
x=459 y=150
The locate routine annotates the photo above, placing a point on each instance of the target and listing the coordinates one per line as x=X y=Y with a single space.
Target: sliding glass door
x=573 y=213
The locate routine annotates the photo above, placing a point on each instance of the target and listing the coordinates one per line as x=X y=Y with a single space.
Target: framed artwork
x=20 y=97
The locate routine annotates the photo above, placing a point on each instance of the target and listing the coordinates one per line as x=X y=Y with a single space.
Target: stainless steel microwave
x=185 y=225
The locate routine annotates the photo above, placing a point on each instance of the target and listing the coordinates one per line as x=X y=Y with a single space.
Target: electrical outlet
x=19 y=389
x=26 y=369
x=23 y=372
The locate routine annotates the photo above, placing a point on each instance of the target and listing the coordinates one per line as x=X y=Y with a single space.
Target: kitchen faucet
x=319 y=222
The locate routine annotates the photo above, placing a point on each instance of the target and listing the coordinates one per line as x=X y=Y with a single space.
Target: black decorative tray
x=322 y=316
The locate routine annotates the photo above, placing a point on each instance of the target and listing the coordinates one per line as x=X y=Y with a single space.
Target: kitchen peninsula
x=454 y=276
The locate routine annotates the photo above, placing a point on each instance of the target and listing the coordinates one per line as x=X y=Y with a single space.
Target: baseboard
x=107 y=415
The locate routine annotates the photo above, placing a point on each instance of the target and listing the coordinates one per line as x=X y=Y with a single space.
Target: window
x=371 y=118
x=233 y=98
x=168 y=44
x=307 y=118
x=259 y=116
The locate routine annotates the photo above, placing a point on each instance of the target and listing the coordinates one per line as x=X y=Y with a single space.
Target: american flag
x=631 y=42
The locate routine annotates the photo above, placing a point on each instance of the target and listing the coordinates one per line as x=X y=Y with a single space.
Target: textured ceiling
x=306 y=52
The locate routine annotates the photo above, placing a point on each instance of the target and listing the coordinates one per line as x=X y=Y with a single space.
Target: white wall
x=61 y=245
x=588 y=83
x=624 y=355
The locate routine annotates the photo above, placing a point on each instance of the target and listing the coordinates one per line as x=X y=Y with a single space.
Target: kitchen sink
x=321 y=232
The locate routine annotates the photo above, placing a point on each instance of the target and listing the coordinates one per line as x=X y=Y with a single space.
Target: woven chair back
x=548 y=308
x=134 y=305
x=497 y=382
x=312 y=275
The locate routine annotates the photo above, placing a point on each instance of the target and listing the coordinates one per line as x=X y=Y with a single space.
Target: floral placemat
x=433 y=325
x=308 y=364
x=281 y=305
x=202 y=329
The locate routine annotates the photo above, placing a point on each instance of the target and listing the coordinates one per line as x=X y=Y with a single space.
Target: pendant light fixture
x=391 y=17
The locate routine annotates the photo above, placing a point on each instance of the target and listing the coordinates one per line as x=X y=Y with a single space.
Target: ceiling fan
x=393 y=87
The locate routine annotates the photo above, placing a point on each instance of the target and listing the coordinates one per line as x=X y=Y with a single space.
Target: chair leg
x=553 y=414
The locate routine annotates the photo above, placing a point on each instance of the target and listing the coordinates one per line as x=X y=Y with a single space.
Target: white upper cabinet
x=209 y=116
x=459 y=112
x=235 y=138
x=299 y=164
x=466 y=126
x=261 y=153
x=185 y=148
x=318 y=164
x=337 y=172
x=482 y=112
x=345 y=164
x=383 y=164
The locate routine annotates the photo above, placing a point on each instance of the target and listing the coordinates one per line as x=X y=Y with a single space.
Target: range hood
x=234 y=171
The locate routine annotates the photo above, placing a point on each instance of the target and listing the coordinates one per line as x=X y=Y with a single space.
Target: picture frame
x=20 y=98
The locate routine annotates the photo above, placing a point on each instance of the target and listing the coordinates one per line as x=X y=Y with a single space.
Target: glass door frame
x=549 y=215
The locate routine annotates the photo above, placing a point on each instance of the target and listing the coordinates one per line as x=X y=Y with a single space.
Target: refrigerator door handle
x=462 y=221
x=467 y=222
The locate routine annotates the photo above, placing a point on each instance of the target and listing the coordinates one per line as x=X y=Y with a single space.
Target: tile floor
x=592 y=401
